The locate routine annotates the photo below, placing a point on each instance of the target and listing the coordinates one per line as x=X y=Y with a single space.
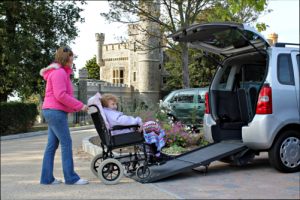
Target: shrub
x=178 y=134
x=16 y=117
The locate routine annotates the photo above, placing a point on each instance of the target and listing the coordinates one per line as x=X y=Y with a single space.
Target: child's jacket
x=116 y=118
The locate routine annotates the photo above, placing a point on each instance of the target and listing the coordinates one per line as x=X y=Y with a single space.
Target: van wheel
x=285 y=153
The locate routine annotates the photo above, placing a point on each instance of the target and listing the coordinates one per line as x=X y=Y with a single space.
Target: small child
x=153 y=133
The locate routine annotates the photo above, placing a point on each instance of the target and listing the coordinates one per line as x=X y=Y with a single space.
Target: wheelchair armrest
x=124 y=127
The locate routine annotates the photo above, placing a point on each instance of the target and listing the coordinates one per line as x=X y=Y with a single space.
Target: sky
x=284 y=20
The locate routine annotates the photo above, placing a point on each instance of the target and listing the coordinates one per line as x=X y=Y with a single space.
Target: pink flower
x=202 y=135
x=174 y=139
x=169 y=140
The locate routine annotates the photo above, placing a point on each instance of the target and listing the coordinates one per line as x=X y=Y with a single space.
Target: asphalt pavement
x=21 y=162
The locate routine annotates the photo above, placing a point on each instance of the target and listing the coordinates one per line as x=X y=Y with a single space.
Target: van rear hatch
x=223 y=38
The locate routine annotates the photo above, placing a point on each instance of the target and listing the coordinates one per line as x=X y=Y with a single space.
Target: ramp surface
x=190 y=160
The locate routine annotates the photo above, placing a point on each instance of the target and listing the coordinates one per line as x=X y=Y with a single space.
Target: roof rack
x=277 y=44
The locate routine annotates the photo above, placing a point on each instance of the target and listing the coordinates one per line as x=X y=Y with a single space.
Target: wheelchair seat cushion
x=96 y=101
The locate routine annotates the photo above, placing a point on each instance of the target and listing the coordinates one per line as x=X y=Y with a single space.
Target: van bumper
x=260 y=132
x=207 y=123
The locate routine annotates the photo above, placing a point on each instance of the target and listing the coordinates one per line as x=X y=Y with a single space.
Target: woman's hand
x=141 y=128
x=85 y=108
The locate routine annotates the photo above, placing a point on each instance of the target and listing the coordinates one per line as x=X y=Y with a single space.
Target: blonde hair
x=62 y=57
x=106 y=97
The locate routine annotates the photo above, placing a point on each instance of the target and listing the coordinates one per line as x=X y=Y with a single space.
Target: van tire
x=285 y=150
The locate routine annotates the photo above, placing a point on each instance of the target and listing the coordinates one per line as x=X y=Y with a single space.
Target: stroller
x=109 y=168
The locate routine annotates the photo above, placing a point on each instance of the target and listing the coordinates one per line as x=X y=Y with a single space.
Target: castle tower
x=99 y=56
x=148 y=55
x=272 y=38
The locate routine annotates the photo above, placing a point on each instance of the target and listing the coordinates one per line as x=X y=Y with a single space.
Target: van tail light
x=264 y=104
x=206 y=103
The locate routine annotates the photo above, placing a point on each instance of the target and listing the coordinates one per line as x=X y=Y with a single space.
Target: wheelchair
x=110 y=169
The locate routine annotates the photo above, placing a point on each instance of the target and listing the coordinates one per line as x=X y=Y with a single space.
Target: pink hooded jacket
x=59 y=89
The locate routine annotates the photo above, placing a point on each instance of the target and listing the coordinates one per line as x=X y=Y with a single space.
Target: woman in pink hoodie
x=58 y=102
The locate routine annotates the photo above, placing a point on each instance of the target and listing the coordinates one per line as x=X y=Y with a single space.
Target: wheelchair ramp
x=190 y=160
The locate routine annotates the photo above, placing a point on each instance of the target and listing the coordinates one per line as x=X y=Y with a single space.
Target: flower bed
x=179 y=138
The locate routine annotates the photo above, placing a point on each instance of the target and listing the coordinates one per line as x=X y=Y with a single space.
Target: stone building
x=136 y=64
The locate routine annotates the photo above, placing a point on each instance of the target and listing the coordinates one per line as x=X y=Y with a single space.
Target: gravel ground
x=21 y=162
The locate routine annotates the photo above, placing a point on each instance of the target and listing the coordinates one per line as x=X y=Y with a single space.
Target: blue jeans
x=58 y=132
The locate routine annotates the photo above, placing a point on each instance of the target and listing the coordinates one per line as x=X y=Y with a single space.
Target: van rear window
x=285 y=72
x=224 y=78
x=251 y=76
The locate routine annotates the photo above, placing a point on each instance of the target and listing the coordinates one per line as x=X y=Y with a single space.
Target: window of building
x=164 y=79
x=285 y=71
x=134 y=76
x=118 y=76
x=134 y=46
x=121 y=76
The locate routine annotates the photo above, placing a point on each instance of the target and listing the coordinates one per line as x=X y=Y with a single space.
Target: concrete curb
x=92 y=149
x=31 y=134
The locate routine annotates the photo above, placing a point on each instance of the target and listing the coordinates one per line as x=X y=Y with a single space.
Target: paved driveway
x=256 y=180
x=21 y=161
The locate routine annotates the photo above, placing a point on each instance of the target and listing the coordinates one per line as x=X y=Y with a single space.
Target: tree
x=93 y=68
x=31 y=32
x=202 y=69
x=176 y=14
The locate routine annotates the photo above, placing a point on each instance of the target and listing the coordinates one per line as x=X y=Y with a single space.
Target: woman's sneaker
x=81 y=182
x=56 y=181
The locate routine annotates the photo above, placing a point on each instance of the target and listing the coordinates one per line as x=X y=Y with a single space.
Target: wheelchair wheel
x=95 y=164
x=143 y=172
x=110 y=171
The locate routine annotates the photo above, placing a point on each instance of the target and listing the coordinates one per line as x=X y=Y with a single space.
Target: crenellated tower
x=149 y=55
x=100 y=41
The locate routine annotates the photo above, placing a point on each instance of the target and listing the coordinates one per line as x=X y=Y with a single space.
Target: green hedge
x=16 y=117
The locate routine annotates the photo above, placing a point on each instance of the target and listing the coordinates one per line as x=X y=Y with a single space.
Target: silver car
x=254 y=96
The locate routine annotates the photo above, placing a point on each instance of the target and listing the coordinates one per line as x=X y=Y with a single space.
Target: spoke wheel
x=285 y=152
x=95 y=164
x=110 y=171
x=143 y=172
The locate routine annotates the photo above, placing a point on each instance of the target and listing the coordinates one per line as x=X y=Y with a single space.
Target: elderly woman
x=58 y=102
x=153 y=133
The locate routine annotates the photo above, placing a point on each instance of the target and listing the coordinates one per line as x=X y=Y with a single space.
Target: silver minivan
x=254 y=97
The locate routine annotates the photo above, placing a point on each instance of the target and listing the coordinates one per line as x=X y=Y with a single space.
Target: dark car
x=181 y=102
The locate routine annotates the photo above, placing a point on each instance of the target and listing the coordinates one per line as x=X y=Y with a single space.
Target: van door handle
x=174 y=107
x=199 y=107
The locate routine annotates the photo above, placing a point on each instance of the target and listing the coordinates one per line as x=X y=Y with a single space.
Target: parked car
x=253 y=98
x=181 y=102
